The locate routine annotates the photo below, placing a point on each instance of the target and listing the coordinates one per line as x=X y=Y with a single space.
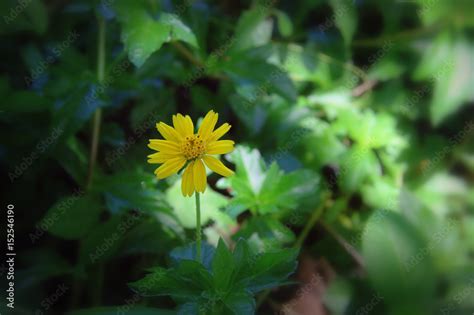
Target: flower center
x=192 y=146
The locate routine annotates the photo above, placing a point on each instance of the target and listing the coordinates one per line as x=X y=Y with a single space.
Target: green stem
x=404 y=36
x=310 y=224
x=98 y=113
x=76 y=291
x=198 y=228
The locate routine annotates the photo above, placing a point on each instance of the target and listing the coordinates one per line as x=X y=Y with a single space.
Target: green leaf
x=186 y=281
x=345 y=17
x=357 y=164
x=104 y=241
x=25 y=102
x=270 y=269
x=267 y=228
x=266 y=190
x=73 y=157
x=457 y=12
x=48 y=263
x=284 y=23
x=398 y=262
x=255 y=77
x=253 y=29
x=73 y=217
x=179 y=31
x=148 y=237
x=222 y=268
x=241 y=303
x=37 y=15
x=131 y=190
x=188 y=252
x=143 y=35
x=444 y=64
x=367 y=128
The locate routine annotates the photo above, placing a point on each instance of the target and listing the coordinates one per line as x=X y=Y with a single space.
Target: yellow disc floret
x=193 y=146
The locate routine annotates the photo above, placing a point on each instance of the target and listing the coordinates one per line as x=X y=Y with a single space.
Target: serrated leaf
x=188 y=252
x=185 y=281
x=222 y=267
x=269 y=269
x=262 y=189
x=267 y=228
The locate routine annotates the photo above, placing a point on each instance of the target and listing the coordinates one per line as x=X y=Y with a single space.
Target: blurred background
x=354 y=132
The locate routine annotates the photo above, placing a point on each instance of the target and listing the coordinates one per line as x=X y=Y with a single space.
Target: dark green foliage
x=354 y=139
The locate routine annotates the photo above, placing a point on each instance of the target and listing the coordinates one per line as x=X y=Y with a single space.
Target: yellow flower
x=181 y=145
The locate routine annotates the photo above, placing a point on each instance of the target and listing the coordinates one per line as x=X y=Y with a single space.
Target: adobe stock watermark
x=112 y=156
x=458 y=298
x=330 y=22
x=378 y=217
x=295 y=137
x=16 y=11
x=116 y=71
x=264 y=89
x=209 y=64
x=109 y=241
x=57 y=51
x=348 y=162
x=421 y=92
x=440 y=155
x=369 y=307
x=427 y=6
x=434 y=240
x=301 y=293
x=48 y=302
x=39 y=149
x=44 y=225
x=373 y=59
x=143 y=290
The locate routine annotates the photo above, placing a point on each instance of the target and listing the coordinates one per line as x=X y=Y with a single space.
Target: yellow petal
x=170 y=167
x=183 y=125
x=189 y=124
x=166 y=146
x=199 y=176
x=208 y=124
x=187 y=183
x=217 y=166
x=160 y=157
x=168 y=132
x=219 y=132
x=220 y=147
